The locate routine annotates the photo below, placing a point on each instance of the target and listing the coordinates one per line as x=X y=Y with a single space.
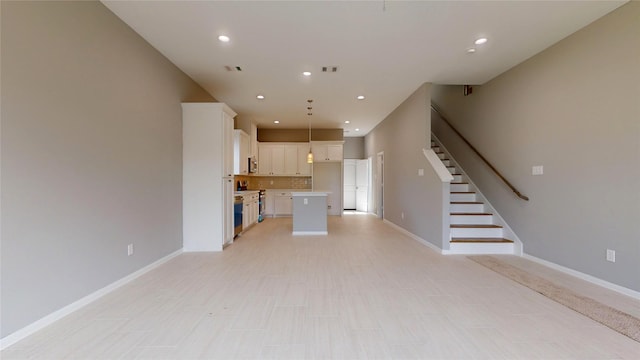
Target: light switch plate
x=611 y=255
x=537 y=170
x=420 y=172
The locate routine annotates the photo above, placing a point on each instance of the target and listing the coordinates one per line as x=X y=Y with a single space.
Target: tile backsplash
x=275 y=182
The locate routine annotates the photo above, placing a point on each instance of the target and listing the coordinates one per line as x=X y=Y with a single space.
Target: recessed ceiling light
x=347 y=122
x=260 y=97
x=276 y=122
x=360 y=97
x=223 y=38
x=306 y=73
x=481 y=41
x=471 y=50
x=357 y=129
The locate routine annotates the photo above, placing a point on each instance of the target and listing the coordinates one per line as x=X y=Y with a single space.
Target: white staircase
x=474 y=229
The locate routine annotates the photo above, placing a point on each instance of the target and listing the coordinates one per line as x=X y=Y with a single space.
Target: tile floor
x=363 y=292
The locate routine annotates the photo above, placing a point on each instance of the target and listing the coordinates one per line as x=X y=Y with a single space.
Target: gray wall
x=354 y=147
x=91 y=155
x=574 y=109
x=402 y=135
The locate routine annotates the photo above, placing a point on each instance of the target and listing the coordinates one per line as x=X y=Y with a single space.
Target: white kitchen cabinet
x=304 y=168
x=241 y=148
x=327 y=151
x=255 y=209
x=207 y=176
x=290 y=159
x=270 y=159
x=253 y=139
x=269 y=208
x=283 y=159
x=283 y=204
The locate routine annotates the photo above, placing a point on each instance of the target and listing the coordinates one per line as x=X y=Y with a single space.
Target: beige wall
x=299 y=135
x=402 y=136
x=354 y=148
x=574 y=109
x=91 y=155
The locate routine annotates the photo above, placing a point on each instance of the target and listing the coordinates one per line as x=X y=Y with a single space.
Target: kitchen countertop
x=246 y=192
x=310 y=193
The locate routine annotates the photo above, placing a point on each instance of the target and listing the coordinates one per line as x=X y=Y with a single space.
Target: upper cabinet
x=241 y=148
x=270 y=159
x=295 y=159
x=283 y=159
x=327 y=151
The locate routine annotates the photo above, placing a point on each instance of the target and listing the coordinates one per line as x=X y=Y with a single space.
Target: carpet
x=615 y=319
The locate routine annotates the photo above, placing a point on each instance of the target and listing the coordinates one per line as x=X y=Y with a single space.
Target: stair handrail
x=518 y=193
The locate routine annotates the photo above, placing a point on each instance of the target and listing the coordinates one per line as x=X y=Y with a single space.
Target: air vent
x=232 y=68
x=330 y=69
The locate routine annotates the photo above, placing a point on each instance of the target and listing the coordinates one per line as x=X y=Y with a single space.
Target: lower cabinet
x=279 y=203
x=283 y=204
x=250 y=210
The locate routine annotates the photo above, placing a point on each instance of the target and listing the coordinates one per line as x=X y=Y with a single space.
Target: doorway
x=356 y=185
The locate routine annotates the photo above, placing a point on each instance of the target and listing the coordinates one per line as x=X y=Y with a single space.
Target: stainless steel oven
x=237 y=215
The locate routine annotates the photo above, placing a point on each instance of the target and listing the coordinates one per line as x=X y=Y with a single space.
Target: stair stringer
x=507 y=231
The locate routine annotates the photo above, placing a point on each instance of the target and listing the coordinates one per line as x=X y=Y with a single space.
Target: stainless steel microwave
x=253 y=165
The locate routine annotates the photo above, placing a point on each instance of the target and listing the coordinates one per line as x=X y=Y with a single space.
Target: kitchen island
x=310 y=212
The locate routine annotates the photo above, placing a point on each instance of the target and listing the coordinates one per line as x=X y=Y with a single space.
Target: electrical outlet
x=611 y=255
x=271 y=182
x=306 y=201
x=129 y=249
x=420 y=172
x=537 y=170
x=402 y=215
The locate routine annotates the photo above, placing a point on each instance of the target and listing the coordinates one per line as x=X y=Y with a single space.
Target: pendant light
x=310 y=154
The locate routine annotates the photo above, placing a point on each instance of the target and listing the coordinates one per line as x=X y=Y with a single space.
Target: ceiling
x=383 y=50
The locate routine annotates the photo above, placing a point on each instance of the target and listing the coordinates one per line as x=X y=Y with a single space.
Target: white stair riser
x=441 y=156
x=466 y=207
x=481 y=248
x=476 y=233
x=435 y=148
x=457 y=178
x=471 y=219
x=446 y=162
x=459 y=187
x=462 y=197
x=452 y=170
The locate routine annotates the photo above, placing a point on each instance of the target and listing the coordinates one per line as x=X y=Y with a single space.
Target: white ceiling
x=383 y=50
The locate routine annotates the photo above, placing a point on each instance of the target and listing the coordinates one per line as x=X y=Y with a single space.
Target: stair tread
x=474 y=226
x=466 y=202
x=463 y=192
x=470 y=214
x=480 y=240
x=459 y=183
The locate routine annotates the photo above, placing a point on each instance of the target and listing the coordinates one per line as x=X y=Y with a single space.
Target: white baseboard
x=592 y=279
x=13 y=338
x=303 y=233
x=415 y=237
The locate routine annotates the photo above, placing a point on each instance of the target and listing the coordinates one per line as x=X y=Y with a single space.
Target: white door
x=349 y=201
x=362 y=185
x=380 y=185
